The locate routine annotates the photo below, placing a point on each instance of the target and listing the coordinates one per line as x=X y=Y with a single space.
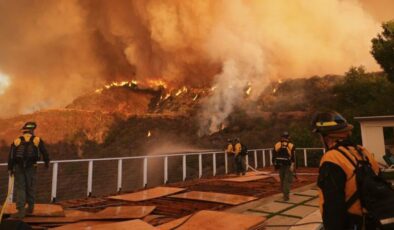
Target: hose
x=10 y=189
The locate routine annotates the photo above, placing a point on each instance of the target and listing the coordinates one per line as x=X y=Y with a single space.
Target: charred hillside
x=130 y=119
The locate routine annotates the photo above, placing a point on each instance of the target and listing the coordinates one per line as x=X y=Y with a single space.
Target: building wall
x=373 y=137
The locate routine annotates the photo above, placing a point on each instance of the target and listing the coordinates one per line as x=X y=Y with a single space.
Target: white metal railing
x=253 y=153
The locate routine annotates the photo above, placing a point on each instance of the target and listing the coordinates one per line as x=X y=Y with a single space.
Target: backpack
x=375 y=193
x=283 y=155
x=26 y=151
x=244 y=150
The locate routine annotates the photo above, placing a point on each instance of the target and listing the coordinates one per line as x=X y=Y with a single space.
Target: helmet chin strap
x=322 y=139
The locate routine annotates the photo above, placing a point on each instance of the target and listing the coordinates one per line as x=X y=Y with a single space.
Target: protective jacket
x=284 y=156
x=38 y=148
x=339 y=204
x=237 y=149
x=229 y=148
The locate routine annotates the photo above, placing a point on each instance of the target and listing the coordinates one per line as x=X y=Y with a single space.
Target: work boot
x=19 y=215
x=29 y=210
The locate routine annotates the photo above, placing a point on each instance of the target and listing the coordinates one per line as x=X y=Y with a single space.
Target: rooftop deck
x=256 y=194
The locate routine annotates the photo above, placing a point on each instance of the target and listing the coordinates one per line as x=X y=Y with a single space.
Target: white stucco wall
x=373 y=137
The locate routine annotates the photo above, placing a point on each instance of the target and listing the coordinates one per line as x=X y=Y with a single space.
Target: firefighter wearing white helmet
x=342 y=170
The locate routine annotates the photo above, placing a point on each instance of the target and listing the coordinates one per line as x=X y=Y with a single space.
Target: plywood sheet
x=125 y=212
x=213 y=220
x=246 y=178
x=148 y=194
x=78 y=214
x=81 y=225
x=49 y=220
x=113 y=213
x=173 y=224
x=39 y=210
x=124 y=225
x=215 y=197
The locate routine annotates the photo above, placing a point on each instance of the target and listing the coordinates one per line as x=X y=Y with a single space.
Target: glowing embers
x=212 y=220
x=148 y=194
x=132 y=224
x=246 y=178
x=215 y=197
x=39 y=210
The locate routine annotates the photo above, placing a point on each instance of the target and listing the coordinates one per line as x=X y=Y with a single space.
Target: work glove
x=292 y=167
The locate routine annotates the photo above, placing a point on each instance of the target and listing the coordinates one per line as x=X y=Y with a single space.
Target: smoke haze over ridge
x=54 y=51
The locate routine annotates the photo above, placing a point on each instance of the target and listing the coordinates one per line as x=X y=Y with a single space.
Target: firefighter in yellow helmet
x=339 y=197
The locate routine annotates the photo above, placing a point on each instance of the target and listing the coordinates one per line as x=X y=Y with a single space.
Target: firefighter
x=229 y=147
x=239 y=161
x=283 y=158
x=339 y=202
x=25 y=151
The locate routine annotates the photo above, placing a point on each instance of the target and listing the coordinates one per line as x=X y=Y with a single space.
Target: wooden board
x=81 y=225
x=113 y=213
x=148 y=194
x=213 y=220
x=39 y=210
x=124 y=225
x=246 y=178
x=215 y=197
x=49 y=220
x=125 y=212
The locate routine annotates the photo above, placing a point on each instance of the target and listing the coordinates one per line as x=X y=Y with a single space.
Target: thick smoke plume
x=53 y=51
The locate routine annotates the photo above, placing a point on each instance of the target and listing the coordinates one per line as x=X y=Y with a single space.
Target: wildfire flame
x=249 y=90
x=167 y=96
x=149 y=134
x=157 y=83
x=195 y=97
x=179 y=92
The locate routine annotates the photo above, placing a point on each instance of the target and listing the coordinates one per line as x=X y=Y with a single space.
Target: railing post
x=255 y=158
x=54 y=182
x=199 y=165
x=271 y=157
x=264 y=158
x=324 y=151
x=225 y=163
x=120 y=169
x=12 y=191
x=90 y=178
x=184 y=167
x=247 y=162
x=214 y=163
x=165 y=169
x=145 y=173
x=305 y=159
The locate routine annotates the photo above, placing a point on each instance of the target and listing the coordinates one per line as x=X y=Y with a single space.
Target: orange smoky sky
x=53 y=51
